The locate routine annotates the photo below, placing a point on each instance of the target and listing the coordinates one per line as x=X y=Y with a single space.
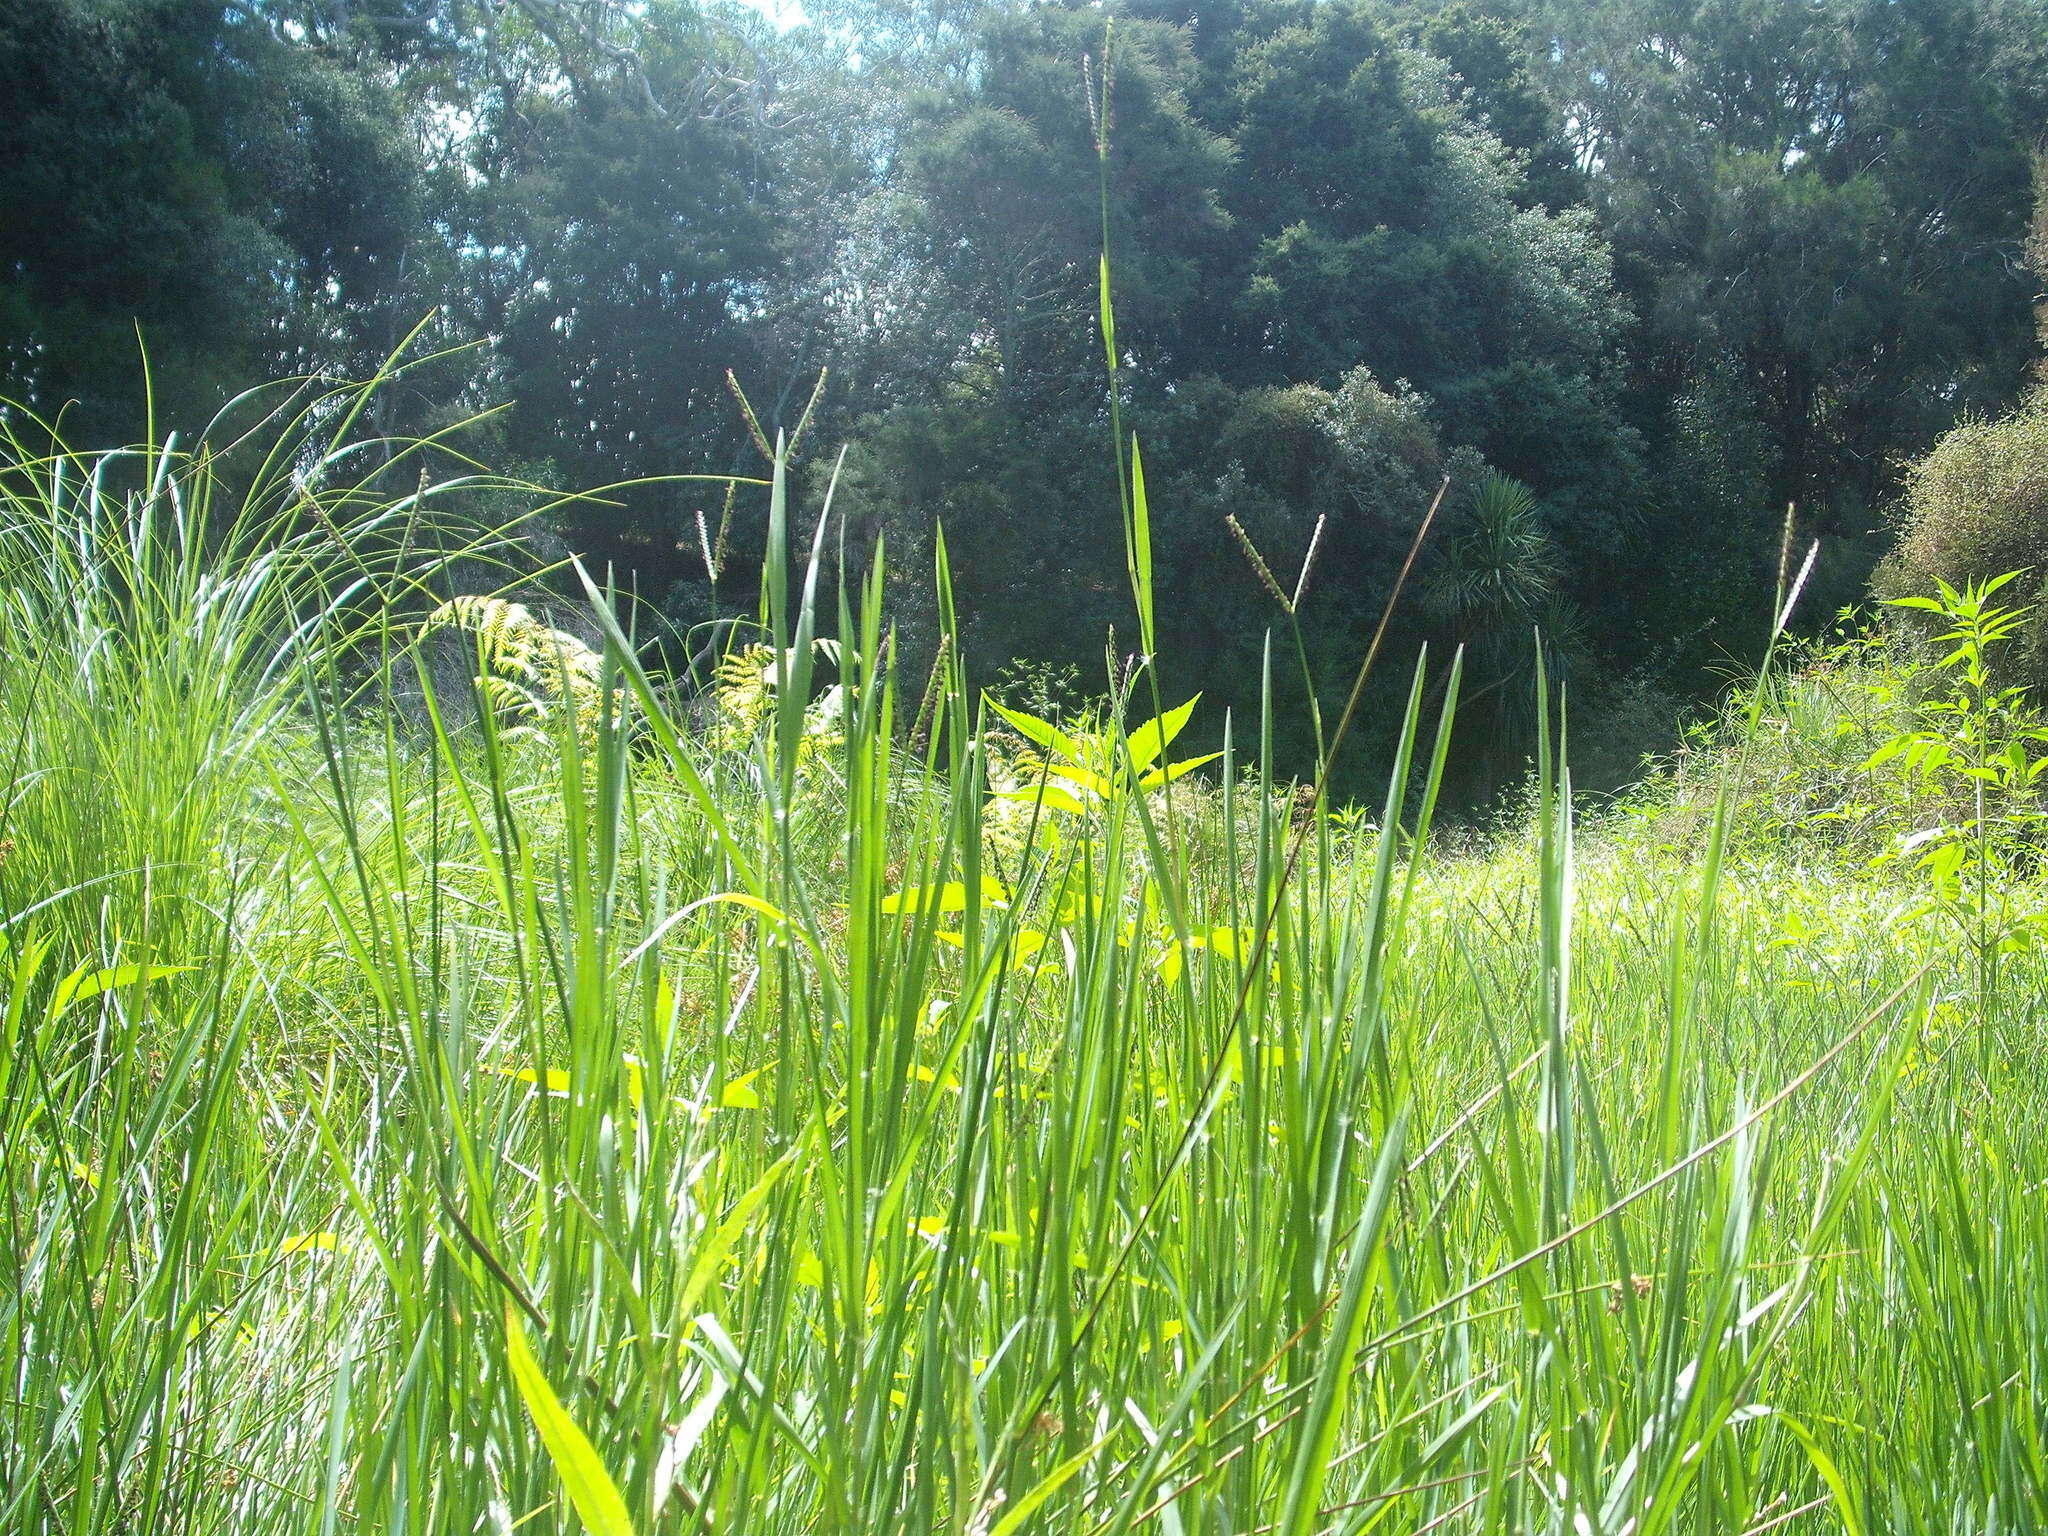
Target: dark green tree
x=178 y=168
x=1491 y=56
x=1003 y=199
x=1827 y=197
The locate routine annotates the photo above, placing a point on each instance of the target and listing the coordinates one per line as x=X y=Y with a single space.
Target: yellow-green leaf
x=950 y=897
x=592 y=1493
x=1026 y=943
x=755 y=904
x=740 y=1093
x=1156 y=735
x=1057 y=799
x=1095 y=783
x=712 y=1253
x=82 y=984
x=1040 y=732
x=555 y=1080
x=1141 y=548
x=1185 y=766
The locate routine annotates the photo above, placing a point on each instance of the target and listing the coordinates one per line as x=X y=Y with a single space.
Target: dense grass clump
x=557 y=1108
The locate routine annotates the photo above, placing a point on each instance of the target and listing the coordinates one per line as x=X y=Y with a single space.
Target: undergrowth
x=545 y=1109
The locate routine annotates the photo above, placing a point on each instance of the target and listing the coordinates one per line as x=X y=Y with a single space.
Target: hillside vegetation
x=454 y=1079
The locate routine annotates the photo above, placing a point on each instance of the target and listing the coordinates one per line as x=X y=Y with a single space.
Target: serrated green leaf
x=1156 y=735
x=1187 y=765
x=1040 y=732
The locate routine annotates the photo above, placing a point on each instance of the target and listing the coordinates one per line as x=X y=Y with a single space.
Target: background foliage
x=1671 y=265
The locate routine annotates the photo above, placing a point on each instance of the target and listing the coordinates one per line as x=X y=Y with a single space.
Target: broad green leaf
x=555 y=1080
x=950 y=897
x=1041 y=732
x=1159 y=777
x=1227 y=942
x=1087 y=778
x=1155 y=736
x=1027 y=943
x=713 y=1252
x=740 y=1093
x=592 y=1493
x=82 y=984
x=1057 y=799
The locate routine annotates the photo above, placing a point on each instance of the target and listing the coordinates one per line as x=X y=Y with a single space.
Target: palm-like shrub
x=1495 y=587
x=1499 y=567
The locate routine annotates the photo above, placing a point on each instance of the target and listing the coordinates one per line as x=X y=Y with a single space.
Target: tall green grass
x=411 y=1123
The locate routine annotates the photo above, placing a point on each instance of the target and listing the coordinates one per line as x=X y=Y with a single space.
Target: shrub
x=1977 y=507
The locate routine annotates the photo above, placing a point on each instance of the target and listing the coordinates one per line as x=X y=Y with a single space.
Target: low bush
x=1977 y=507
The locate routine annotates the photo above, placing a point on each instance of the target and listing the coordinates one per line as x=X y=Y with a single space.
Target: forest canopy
x=1636 y=274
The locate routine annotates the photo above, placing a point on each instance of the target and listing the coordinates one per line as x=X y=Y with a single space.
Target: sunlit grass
x=596 y=1126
